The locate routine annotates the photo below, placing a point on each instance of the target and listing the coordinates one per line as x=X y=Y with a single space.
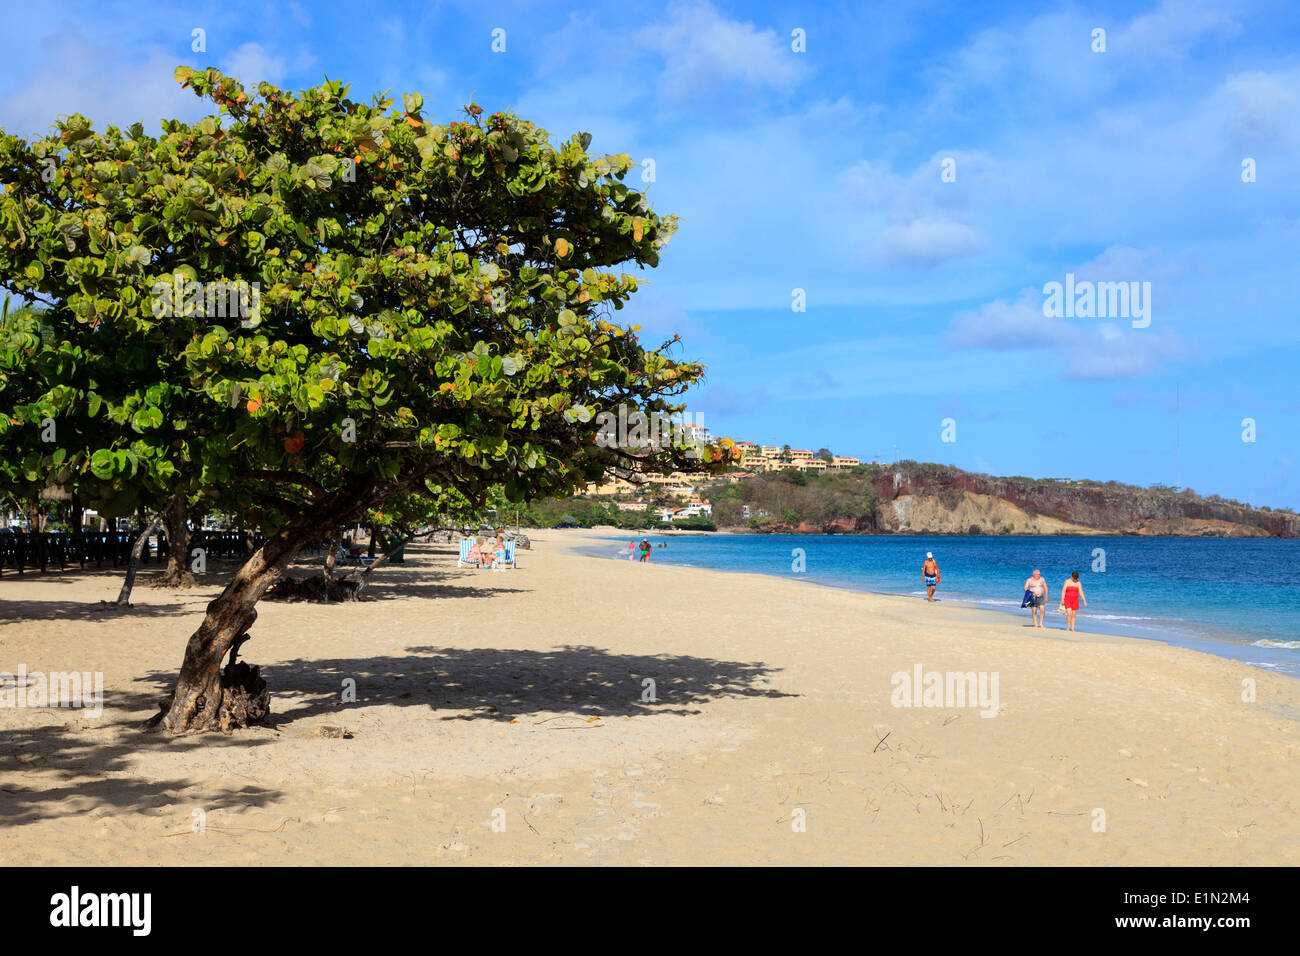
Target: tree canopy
x=431 y=302
x=305 y=306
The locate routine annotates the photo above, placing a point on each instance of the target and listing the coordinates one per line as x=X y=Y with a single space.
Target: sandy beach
x=504 y=718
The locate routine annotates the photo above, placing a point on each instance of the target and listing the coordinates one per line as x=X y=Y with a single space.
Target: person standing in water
x=930 y=575
x=1071 y=595
x=1039 y=592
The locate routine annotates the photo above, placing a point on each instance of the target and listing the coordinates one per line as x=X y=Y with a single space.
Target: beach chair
x=467 y=543
x=510 y=557
x=360 y=560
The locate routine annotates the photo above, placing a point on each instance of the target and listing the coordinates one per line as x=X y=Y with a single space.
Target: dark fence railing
x=217 y=544
x=21 y=550
x=57 y=550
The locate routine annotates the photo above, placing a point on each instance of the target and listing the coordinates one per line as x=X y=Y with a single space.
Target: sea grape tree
x=342 y=304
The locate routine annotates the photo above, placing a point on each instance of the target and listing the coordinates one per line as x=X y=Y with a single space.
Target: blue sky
x=822 y=170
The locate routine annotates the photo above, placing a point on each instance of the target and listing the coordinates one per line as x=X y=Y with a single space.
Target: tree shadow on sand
x=80 y=761
x=78 y=767
x=504 y=683
x=12 y=612
x=417 y=579
x=428 y=590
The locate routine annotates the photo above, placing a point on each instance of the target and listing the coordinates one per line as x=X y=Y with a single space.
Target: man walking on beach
x=930 y=575
x=645 y=549
x=1038 y=594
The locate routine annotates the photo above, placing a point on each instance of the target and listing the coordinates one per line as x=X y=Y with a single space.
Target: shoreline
x=1164 y=631
x=1092 y=533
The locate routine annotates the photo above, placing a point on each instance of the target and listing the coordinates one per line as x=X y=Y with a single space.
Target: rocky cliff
x=923 y=498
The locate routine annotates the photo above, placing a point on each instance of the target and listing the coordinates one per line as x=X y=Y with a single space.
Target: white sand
x=774 y=704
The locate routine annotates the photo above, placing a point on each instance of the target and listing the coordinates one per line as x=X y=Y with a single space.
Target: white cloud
x=1078 y=348
x=1175 y=27
x=1110 y=352
x=1258 y=109
x=1010 y=325
x=839 y=114
x=660 y=318
x=77 y=76
x=252 y=64
x=872 y=183
x=921 y=218
x=928 y=241
x=702 y=49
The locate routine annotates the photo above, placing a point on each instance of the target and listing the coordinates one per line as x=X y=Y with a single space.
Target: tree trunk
x=78 y=516
x=36 y=526
x=176 y=520
x=336 y=541
x=362 y=576
x=197 y=702
x=124 y=596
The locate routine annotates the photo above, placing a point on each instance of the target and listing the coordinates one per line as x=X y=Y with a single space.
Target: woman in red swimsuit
x=1071 y=595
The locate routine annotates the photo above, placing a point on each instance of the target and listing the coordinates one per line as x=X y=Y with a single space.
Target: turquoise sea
x=1237 y=598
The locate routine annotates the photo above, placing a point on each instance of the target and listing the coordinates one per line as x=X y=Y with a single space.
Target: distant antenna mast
x=1178 y=439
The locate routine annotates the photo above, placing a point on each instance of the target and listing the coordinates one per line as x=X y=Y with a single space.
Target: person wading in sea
x=1071 y=595
x=930 y=575
x=1039 y=592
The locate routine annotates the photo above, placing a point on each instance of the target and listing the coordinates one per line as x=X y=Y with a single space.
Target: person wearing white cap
x=930 y=575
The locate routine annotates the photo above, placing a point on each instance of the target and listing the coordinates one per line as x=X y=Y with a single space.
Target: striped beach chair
x=467 y=543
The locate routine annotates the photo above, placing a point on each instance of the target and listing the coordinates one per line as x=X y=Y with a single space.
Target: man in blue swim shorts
x=930 y=575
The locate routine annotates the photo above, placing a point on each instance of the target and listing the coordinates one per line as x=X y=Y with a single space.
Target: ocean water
x=1234 y=597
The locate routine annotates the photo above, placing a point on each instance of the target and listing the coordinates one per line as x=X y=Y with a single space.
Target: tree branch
x=285 y=477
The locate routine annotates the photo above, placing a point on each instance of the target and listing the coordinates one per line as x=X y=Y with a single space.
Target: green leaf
x=146 y=419
x=101 y=464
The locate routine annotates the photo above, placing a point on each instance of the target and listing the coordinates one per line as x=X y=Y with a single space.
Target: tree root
x=174 y=579
x=245 y=700
x=317 y=588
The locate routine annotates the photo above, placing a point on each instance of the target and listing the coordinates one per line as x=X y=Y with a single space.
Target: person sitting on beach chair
x=476 y=554
x=499 y=554
x=484 y=552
